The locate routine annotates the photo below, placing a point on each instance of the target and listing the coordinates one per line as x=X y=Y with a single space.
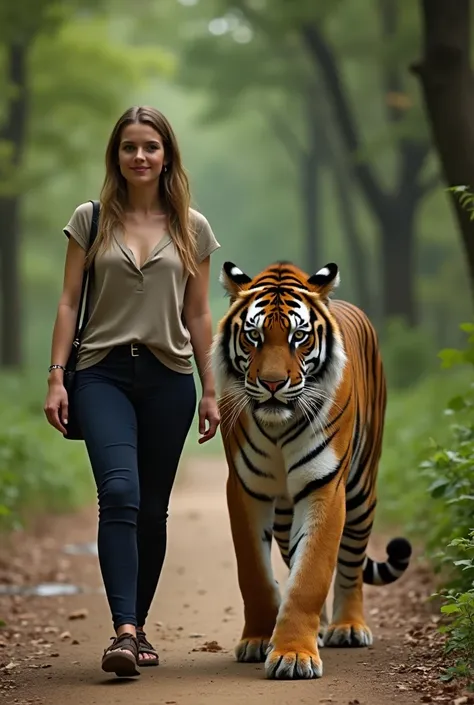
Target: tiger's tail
x=384 y=572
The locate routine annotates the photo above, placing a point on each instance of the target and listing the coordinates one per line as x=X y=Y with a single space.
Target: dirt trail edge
x=50 y=648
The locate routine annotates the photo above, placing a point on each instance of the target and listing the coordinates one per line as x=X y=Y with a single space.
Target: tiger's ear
x=233 y=279
x=325 y=280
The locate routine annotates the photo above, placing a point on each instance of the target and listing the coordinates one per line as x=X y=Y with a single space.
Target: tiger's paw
x=292 y=665
x=252 y=650
x=347 y=634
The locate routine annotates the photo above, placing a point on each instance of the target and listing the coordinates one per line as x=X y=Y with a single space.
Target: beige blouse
x=132 y=305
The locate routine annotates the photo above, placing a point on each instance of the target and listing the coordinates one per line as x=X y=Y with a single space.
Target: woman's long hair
x=173 y=189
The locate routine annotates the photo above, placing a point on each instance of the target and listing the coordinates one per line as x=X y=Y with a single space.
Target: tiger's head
x=278 y=349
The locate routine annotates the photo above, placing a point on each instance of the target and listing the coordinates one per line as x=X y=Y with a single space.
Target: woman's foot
x=147 y=654
x=121 y=657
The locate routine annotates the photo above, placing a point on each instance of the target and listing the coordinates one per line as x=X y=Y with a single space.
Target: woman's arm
x=63 y=333
x=197 y=316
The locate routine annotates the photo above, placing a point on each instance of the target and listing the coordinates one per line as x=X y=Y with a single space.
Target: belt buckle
x=134 y=350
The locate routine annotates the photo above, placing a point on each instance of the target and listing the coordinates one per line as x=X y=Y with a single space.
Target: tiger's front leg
x=251 y=525
x=318 y=525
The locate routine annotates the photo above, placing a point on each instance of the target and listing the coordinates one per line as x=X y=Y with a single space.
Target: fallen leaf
x=79 y=614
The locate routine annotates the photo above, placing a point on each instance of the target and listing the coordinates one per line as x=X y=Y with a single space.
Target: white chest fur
x=280 y=462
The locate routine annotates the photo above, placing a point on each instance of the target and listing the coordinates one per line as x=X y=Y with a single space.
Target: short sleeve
x=79 y=225
x=206 y=240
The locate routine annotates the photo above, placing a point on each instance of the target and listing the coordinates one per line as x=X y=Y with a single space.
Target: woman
x=135 y=396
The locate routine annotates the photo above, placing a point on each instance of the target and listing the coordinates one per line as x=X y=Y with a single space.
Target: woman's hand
x=209 y=412
x=56 y=406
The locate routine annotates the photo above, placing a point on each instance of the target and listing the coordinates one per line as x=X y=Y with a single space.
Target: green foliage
x=449 y=472
x=39 y=470
x=74 y=103
x=450 y=538
x=465 y=198
x=459 y=608
x=407 y=353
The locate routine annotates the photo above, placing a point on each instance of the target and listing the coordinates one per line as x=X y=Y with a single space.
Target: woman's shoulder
x=84 y=210
x=199 y=221
x=79 y=223
x=206 y=240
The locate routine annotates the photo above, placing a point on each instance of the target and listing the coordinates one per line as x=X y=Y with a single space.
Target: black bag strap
x=83 y=309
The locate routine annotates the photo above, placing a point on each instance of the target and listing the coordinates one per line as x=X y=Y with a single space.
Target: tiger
x=302 y=397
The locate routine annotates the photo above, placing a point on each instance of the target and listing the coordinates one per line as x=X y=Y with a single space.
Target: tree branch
x=392 y=83
x=284 y=133
x=323 y=56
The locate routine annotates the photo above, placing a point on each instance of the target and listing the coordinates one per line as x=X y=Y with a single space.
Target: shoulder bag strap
x=86 y=279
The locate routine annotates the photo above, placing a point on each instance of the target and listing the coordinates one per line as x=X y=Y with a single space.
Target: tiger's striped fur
x=302 y=398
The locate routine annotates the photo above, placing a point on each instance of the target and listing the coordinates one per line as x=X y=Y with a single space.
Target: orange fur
x=302 y=398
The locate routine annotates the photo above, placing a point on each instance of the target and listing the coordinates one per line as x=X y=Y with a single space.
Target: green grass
x=414 y=417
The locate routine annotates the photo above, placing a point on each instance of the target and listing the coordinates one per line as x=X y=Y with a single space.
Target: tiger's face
x=278 y=348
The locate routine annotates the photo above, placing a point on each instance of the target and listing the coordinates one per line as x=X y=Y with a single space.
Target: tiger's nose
x=273 y=385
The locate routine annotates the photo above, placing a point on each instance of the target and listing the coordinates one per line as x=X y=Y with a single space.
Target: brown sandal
x=144 y=647
x=122 y=663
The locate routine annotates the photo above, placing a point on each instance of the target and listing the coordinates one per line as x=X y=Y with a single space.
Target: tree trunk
x=398 y=265
x=13 y=132
x=447 y=83
x=411 y=159
x=310 y=189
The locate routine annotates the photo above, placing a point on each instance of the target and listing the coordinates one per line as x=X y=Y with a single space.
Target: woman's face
x=141 y=154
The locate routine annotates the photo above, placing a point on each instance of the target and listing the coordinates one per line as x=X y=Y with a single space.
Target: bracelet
x=56 y=367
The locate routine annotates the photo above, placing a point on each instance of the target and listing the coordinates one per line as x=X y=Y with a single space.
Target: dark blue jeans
x=135 y=414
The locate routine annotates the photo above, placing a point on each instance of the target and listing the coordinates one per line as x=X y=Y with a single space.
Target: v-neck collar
x=161 y=244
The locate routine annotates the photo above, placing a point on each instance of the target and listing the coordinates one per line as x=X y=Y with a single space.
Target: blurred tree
x=62 y=77
x=20 y=24
x=447 y=83
x=286 y=49
x=240 y=69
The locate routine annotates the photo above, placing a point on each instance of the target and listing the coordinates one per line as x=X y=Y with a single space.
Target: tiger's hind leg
x=348 y=626
x=251 y=526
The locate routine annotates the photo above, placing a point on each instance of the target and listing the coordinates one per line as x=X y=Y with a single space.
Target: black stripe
x=358 y=533
x=253 y=468
x=336 y=418
x=368 y=574
x=295 y=546
x=350 y=579
x=284 y=511
x=314 y=453
x=282 y=527
x=351 y=564
x=356 y=501
x=262 y=431
x=297 y=433
x=251 y=443
x=364 y=517
x=282 y=542
x=255 y=495
x=315 y=485
x=358 y=550
x=385 y=574
x=321 y=482
x=267 y=536
x=399 y=565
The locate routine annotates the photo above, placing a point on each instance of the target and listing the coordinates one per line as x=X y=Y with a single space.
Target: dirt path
x=197 y=602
